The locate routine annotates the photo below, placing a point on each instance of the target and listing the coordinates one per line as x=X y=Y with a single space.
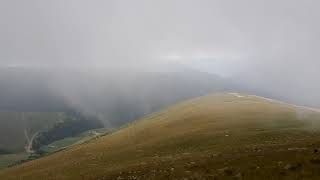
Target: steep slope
x=221 y=135
x=23 y=133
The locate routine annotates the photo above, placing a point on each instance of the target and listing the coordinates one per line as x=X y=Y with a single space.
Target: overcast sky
x=266 y=42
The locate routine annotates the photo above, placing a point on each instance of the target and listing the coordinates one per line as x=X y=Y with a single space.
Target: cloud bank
x=268 y=45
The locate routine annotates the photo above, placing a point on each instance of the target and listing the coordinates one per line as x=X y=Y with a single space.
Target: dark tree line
x=73 y=125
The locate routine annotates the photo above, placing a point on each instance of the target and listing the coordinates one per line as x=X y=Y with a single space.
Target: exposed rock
x=288 y=166
x=280 y=163
x=293 y=167
x=238 y=176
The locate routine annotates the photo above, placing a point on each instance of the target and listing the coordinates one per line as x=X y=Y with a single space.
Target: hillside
x=23 y=134
x=223 y=136
x=22 y=126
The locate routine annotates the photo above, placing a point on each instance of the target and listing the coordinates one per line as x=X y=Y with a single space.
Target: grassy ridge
x=217 y=135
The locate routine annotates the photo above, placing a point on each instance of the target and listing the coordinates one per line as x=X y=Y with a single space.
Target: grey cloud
x=272 y=45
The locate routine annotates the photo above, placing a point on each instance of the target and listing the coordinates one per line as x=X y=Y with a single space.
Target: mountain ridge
x=220 y=125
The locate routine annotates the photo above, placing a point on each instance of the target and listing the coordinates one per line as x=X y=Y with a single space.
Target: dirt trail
x=277 y=101
x=28 y=146
x=296 y=106
x=26 y=135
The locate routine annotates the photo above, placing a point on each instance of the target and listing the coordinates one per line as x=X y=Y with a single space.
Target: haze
x=267 y=46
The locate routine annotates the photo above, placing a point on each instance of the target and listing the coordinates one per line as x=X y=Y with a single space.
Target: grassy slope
x=198 y=138
x=14 y=125
x=8 y=159
x=69 y=142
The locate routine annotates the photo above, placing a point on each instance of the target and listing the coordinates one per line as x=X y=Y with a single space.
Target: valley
x=21 y=131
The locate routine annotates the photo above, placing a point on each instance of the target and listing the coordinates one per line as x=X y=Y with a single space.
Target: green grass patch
x=8 y=159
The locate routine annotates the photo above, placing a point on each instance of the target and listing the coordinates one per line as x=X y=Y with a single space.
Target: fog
x=92 y=52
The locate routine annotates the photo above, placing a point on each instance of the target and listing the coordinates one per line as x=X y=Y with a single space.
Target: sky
x=268 y=44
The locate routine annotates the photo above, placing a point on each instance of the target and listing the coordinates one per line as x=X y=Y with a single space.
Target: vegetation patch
x=70 y=127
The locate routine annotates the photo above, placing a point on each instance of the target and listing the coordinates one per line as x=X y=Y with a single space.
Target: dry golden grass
x=217 y=136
